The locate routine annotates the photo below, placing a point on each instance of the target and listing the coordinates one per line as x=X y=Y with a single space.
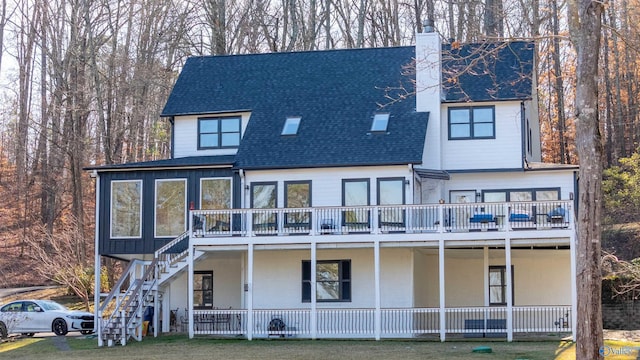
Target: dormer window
x=380 y=122
x=218 y=132
x=291 y=125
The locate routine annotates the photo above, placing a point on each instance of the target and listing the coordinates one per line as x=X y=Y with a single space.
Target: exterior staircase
x=121 y=312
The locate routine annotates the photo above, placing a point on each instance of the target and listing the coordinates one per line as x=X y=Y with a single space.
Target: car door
x=13 y=316
x=35 y=318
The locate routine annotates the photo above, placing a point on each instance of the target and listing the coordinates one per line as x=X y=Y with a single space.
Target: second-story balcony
x=388 y=219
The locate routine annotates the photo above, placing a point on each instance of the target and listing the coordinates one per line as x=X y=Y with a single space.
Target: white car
x=28 y=317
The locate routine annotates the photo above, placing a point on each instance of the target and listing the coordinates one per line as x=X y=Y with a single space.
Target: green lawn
x=179 y=347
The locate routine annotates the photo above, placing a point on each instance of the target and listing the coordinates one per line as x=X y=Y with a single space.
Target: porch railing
x=394 y=322
x=536 y=215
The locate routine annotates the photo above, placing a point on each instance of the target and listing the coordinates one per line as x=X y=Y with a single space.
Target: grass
x=179 y=347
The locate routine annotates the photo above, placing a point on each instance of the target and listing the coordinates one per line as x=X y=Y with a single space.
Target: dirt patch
x=625 y=335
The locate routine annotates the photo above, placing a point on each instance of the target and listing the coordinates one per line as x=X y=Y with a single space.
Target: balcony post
x=376 y=266
x=443 y=319
x=313 y=290
x=250 y=290
x=190 y=306
x=574 y=289
x=507 y=250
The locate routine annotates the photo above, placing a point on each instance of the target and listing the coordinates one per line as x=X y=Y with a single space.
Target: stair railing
x=165 y=258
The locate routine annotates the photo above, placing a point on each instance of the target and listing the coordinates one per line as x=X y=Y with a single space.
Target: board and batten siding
x=148 y=243
x=185 y=133
x=503 y=152
x=326 y=183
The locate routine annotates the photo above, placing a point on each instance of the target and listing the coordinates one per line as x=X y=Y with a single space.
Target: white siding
x=326 y=183
x=505 y=151
x=277 y=278
x=541 y=277
x=514 y=180
x=185 y=132
x=227 y=283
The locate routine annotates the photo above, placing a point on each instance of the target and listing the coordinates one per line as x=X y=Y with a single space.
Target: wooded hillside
x=83 y=82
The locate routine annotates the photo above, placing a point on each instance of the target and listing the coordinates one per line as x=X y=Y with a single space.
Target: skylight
x=380 y=122
x=291 y=126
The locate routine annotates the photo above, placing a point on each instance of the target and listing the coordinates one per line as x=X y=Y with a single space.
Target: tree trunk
x=585 y=29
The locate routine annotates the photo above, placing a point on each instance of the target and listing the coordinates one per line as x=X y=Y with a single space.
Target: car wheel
x=86 y=332
x=59 y=327
x=3 y=330
x=28 y=334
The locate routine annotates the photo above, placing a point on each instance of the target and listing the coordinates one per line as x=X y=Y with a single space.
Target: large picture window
x=171 y=207
x=221 y=132
x=333 y=280
x=471 y=122
x=126 y=209
x=215 y=194
x=203 y=289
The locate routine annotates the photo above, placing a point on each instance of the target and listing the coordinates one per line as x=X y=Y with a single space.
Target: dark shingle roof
x=487 y=71
x=191 y=161
x=335 y=92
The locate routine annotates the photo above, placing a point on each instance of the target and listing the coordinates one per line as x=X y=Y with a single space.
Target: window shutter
x=346 y=280
x=306 y=281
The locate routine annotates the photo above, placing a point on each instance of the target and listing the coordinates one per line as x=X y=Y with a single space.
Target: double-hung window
x=391 y=192
x=355 y=192
x=333 y=280
x=498 y=285
x=297 y=195
x=264 y=195
x=219 y=132
x=472 y=122
x=203 y=289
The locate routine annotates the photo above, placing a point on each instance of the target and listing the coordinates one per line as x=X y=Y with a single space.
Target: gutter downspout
x=523 y=134
x=172 y=142
x=98 y=267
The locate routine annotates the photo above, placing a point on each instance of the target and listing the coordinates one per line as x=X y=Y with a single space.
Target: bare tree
x=584 y=18
x=57 y=259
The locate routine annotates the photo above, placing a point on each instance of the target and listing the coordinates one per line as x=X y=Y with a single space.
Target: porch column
x=443 y=319
x=485 y=263
x=190 y=287
x=97 y=266
x=250 y=290
x=507 y=251
x=574 y=289
x=314 y=309
x=376 y=266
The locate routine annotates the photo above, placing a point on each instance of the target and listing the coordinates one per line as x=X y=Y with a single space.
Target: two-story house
x=361 y=193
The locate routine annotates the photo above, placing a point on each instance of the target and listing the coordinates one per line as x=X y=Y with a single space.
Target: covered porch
x=394 y=289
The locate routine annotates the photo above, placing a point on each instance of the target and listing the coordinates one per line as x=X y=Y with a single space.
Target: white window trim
x=111 y=210
x=155 y=203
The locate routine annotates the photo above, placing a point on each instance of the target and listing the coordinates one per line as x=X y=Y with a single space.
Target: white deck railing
x=534 y=215
x=394 y=323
